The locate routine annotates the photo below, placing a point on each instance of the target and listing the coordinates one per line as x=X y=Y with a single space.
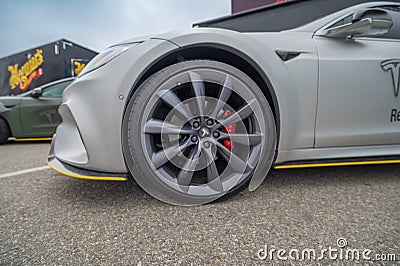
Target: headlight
x=105 y=57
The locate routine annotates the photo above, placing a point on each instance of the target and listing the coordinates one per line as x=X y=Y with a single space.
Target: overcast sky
x=97 y=24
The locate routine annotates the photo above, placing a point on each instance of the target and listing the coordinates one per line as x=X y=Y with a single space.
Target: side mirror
x=365 y=23
x=37 y=92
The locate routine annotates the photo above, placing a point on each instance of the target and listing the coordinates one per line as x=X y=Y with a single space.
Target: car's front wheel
x=197 y=130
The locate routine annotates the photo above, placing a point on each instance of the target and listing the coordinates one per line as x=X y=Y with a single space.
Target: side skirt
x=339 y=162
x=30 y=139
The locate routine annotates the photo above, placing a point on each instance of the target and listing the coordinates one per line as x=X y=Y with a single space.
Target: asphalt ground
x=49 y=219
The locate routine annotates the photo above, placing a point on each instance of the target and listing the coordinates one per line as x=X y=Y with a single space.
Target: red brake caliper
x=229 y=129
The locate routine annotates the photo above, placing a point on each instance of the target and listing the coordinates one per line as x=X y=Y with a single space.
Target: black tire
x=176 y=132
x=5 y=132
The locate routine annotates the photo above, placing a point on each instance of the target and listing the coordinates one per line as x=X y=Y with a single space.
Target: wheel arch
x=7 y=124
x=222 y=53
x=4 y=110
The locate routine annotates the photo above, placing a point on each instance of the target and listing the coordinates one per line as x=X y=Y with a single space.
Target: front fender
x=9 y=110
x=3 y=108
x=294 y=82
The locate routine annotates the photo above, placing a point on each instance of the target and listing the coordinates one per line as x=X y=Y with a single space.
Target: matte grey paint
x=95 y=104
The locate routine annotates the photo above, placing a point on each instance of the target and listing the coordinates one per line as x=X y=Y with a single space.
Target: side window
x=55 y=90
x=394 y=32
x=346 y=20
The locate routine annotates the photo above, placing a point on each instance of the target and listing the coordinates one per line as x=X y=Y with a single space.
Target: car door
x=39 y=115
x=358 y=97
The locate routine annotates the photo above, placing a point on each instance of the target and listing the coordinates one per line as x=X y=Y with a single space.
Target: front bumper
x=93 y=107
x=71 y=171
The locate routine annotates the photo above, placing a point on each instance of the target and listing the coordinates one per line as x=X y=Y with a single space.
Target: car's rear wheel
x=4 y=131
x=196 y=130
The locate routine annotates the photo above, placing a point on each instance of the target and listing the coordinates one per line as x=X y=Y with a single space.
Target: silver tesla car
x=193 y=116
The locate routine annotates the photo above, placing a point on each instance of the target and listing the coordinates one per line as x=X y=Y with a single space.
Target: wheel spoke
x=213 y=179
x=199 y=91
x=155 y=126
x=245 y=139
x=185 y=176
x=170 y=98
x=163 y=156
x=223 y=97
x=234 y=161
x=240 y=115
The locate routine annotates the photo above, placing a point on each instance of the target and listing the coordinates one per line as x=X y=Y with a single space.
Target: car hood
x=169 y=36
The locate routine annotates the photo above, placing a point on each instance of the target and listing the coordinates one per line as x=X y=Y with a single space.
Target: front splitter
x=74 y=172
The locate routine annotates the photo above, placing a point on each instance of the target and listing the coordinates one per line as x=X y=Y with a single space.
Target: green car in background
x=33 y=114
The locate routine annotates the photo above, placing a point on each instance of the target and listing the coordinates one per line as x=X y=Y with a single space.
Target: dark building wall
x=26 y=70
x=278 y=17
x=242 y=5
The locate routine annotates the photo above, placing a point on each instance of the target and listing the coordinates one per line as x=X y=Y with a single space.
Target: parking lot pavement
x=49 y=219
x=16 y=156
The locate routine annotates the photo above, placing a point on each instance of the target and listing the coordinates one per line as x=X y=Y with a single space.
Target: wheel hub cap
x=204 y=132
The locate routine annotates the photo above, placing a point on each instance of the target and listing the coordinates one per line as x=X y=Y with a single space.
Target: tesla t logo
x=204 y=132
x=393 y=66
x=50 y=115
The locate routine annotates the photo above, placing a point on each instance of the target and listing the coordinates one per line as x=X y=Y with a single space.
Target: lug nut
x=196 y=124
x=216 y=134
x=194 y=138
x=210 y=122
x=206 y=144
